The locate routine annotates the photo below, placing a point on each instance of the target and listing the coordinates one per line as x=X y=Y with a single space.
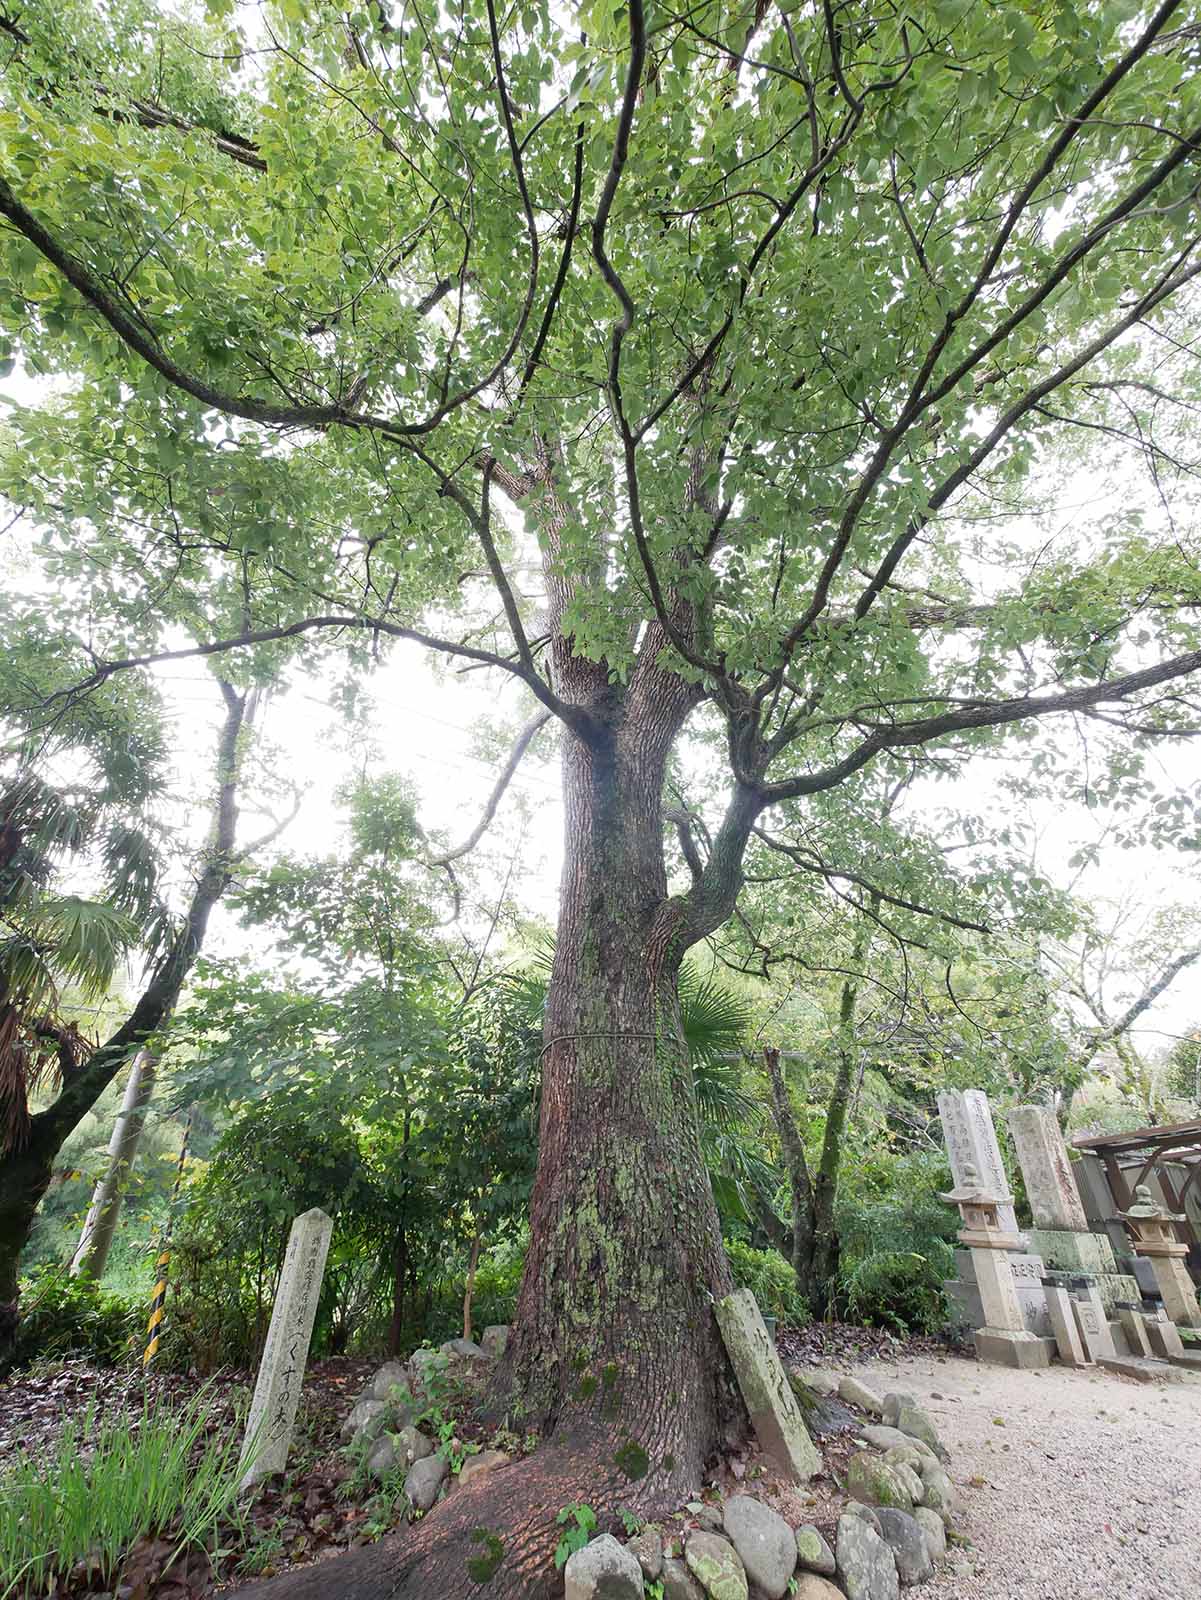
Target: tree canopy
x=817 y=380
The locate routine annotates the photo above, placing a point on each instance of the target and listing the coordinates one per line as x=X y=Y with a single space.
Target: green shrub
x=62 y=1316
x=105 y=1485
x=497 y=1279
x=897 y=1241
x=771 y=1280
x=895 y=1289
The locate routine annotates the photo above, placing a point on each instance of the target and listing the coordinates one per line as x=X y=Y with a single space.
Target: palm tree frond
x=85 y=938
x=714 y=1017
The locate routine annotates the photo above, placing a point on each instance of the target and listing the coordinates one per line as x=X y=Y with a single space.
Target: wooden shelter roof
x=1182 y=1138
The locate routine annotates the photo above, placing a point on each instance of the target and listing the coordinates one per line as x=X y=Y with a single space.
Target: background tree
x=1109 y=978
x=55 y=935
x=796 y=306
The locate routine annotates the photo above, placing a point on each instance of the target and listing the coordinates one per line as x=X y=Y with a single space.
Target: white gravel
x=1086 y=1486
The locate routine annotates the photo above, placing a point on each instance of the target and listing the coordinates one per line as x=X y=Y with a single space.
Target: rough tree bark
x=614 y=1353
x=26 y=1171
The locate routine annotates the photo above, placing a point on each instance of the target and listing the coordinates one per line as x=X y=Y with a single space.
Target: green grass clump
x=105 y=1485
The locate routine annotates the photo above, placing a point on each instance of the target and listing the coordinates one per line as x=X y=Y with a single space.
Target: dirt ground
x=1079 y=1485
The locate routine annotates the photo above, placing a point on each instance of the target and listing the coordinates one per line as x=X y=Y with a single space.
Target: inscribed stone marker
x=1050 y=1186
x=1163 y=1335
x=281 y=1371
x=971 y=1141
x=1094 y=1330
x=1135 y=1330
x=775 y=1415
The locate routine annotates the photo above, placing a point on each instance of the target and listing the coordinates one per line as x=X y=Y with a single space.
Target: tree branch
x=524 y=739
x=987 y=715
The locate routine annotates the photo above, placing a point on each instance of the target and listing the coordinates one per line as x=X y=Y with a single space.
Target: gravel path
x=1078 y=1486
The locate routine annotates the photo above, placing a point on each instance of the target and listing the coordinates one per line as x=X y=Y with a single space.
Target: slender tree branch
x=810 y=861
x=524 y=739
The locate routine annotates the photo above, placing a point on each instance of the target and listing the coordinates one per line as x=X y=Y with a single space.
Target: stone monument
x=971 y=1141
x=281 y=1371
x=1156 y=1242
x=1095 y=1332
x=1003 y=1338
x=1061 y=1234
x=775 y=1414
x=1068 y=1339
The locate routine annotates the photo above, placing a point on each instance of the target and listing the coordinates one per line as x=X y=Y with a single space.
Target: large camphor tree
x=715 y=364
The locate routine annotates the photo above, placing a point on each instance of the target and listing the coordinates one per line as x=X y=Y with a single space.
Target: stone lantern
x=1155 y=1238
x=1003 y=1338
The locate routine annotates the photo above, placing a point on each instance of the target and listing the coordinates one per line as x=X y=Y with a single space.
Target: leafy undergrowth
x=72 y=1514
x=126 y=1487
x=199 y=1543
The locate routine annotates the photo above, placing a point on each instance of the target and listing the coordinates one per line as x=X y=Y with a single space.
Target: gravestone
x=1095 y=1332
x=766 y=1391
x=1068 y=1342
x=1050 y=1186
x=971 y=1141
x=1001 y=1335
x=1101 y=1208
x=1135 y=1331
x=1061 y=1231
x=1163 y=1336
x=967 y=1306
x=281 y=1371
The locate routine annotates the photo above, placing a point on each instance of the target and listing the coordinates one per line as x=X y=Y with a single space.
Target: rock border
x=892 y=1532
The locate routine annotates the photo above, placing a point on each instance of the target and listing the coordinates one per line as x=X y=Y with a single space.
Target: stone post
x=768 y=1395
x=1050 y=1186
x=1156 y=1241
x=1060 y=1234
x=1067 y=1334
x=971 y=1140
x=1003 y=1338
x=281 y=1371
x=1095 y=1331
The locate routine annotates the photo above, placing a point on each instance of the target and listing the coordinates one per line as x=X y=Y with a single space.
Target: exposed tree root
x=494 y=1537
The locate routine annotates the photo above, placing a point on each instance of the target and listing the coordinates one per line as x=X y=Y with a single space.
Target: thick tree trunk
x=24 y=1178
x=100 y=1224
x=614 y=1353
x=614 y=1327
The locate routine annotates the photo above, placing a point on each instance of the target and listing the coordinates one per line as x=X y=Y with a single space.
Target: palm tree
x=53 y=943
